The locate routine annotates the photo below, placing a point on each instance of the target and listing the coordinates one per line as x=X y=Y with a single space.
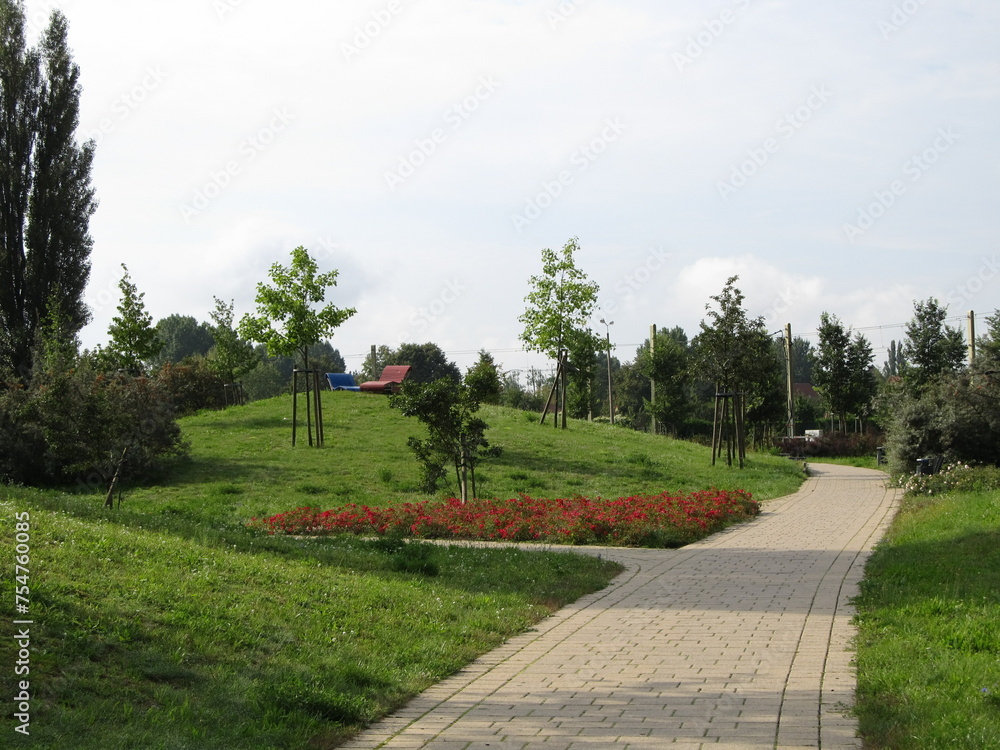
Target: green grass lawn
x=243 y=463
x=167 y=623
x=929 y=619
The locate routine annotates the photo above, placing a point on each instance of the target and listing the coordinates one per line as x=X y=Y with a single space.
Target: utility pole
x=790 y=380
x=611 y=398
x=972 y=337
x=652 y=382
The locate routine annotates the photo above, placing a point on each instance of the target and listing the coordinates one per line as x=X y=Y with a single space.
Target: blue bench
x=342 y=381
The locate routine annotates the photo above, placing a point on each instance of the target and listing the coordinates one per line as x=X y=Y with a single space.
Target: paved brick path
x=738 y=641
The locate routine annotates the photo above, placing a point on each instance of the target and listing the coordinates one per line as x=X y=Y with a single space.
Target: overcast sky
x=836 y=156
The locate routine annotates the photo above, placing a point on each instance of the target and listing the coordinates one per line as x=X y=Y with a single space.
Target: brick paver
x=738 y=642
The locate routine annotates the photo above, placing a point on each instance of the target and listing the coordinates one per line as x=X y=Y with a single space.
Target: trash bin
x=880 y=456
x=924 y=466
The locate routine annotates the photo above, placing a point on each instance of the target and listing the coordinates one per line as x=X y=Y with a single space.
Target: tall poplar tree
x=46 y=198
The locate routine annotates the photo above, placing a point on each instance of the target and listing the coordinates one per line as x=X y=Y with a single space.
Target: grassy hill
x=243 y=463
x=166 y=623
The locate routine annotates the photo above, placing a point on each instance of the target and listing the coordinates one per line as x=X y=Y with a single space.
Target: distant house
x=805 y=390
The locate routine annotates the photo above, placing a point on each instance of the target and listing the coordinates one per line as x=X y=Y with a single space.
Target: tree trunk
x=715 y=427
x=305 y=366
x=565 y=389
x=472 y=477
x=109 y=501
x=465 y=483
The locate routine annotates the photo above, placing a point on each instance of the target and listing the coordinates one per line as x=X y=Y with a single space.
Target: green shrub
x=954 y=477
x=833 y=445
x=192 y=386
x=957 y=416
x=22 y=439
x=266 y=381
x=77 y=425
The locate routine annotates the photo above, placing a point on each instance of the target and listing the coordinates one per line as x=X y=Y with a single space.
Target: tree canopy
x=559 y=307
x=288 y=320
x=733 y=350
x=134 y=341
x=843 y=371
x=483 y=379
x=932 y=347
x=667 y=364
x=736 y=353
x=429 y=362
x=230 y=357
x=989 y=343
x=183 y=336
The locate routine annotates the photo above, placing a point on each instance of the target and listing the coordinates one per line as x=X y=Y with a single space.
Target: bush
x=22 y=439
x=192 y=386
x=957 y=416
x=78 y=425
x=517 y=397
x=266 y=381
x=913 y=432
x=833 y=445
x=955 y=477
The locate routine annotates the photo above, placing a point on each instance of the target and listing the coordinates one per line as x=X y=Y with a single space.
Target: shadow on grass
x=516 y=460
x=198 y=470
x=132 y=665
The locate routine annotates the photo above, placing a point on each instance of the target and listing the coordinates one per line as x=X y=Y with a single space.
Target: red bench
x=389 y=381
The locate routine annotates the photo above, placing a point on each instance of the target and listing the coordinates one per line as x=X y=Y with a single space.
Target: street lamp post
x=611 y=400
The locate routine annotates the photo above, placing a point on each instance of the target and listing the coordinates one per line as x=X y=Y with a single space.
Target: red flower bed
x=642 y=520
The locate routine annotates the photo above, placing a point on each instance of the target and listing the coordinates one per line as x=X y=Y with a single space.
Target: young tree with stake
x=560 y=305
x=288 y=320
